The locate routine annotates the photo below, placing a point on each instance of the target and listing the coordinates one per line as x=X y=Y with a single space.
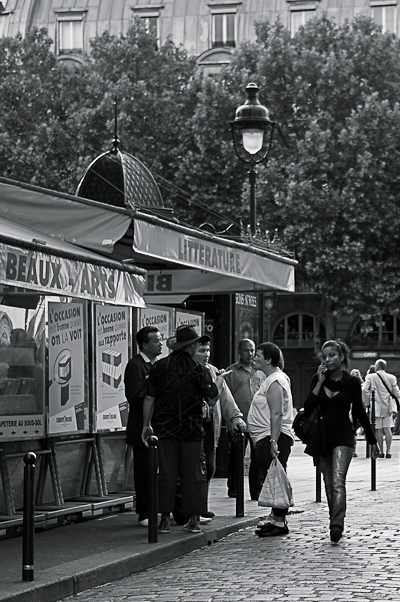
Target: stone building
x=208 y=29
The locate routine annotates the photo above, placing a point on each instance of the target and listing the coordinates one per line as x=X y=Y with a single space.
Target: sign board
x=68 y=405
x=112 y=325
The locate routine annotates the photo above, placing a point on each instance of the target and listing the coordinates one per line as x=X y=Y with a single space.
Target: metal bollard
x=152 y=466
x=239 y=457
x=373 y=424
x=317 y=484
x=367 y=446
x=28 y=527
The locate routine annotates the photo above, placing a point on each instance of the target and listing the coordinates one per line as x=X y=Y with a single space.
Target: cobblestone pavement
x=302 y=566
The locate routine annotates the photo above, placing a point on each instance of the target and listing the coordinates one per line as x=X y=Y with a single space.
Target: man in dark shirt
x=137 y=370
x=173 y=405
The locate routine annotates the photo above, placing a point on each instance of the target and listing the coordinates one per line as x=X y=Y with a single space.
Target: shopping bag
x=276 y=491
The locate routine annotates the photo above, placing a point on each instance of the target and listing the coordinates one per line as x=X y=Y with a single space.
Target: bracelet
x=273 y=441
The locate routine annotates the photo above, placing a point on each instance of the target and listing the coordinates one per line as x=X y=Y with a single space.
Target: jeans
x=183 y=460
x=264 y=459
x=334 y=467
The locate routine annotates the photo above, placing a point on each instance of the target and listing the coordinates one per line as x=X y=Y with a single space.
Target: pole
x=28 y=527
x=317 y=484
x=252 y=180
x=367 y=446
x=373 y=424
x=152 y=466
x=239 y=450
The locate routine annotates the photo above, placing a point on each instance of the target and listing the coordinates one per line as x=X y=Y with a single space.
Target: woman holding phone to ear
x=337 y=394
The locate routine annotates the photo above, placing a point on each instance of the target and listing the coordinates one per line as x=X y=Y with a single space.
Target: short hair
x=242 y=341
x=273 y=353
x=371 y=369
x=142 y=335
x=341 y=347
x=380 y=365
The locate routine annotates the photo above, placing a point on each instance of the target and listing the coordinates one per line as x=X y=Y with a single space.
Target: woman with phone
x=337 y=395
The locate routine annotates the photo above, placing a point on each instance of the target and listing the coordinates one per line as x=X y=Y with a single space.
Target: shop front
x=65 y=337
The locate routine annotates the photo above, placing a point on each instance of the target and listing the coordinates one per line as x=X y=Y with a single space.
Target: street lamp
x=269 y=305
x=250 y=139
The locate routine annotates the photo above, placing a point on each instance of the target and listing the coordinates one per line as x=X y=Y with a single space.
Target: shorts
x=381 y=423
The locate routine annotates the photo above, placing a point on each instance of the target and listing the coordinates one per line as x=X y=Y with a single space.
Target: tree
x=333 y=90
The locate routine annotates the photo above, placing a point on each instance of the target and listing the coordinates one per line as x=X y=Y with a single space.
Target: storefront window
x=379 y=333
x=296 y=330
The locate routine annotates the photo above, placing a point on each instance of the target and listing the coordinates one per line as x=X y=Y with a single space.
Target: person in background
x=243 y=381
x=386 y=387
x=137 y=370
x=270 y=425
x=355 y=372
x=335 y=392
x=224 y=408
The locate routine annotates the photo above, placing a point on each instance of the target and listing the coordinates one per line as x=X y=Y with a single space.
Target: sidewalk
x=80 y=556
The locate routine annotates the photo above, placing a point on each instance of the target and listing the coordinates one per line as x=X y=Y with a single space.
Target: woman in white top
x=270 y=424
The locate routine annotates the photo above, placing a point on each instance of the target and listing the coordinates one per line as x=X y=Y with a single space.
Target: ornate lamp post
x=269 y=305
x=252 y=133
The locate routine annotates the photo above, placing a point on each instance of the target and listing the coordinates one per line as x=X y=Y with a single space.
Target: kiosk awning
x=33 y=260
x=220 y=265
x=79 y=221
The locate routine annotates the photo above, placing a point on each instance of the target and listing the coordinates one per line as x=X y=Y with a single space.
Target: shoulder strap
x=386 y=387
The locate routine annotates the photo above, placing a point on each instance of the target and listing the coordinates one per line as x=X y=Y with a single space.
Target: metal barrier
x=239 y=462
x=152 y=466
x=373 y=424
x=28 y=528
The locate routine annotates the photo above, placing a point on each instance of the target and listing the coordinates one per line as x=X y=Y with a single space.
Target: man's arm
x=230 y=410
x=148 y=407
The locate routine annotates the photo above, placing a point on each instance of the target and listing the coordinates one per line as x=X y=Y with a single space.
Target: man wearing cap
x=172 y=407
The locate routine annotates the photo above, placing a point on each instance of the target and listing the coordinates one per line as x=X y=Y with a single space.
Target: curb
x=69 y=579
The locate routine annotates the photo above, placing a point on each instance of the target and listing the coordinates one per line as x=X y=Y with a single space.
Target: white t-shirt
x=259 y=417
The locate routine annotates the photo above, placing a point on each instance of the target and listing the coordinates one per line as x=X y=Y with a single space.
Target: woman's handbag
x=303 y=425
x=276 y=491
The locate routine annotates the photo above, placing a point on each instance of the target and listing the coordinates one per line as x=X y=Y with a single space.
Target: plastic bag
x=276 y=491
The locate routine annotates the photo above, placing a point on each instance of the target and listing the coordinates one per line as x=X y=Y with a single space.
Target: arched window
x=297 y=330
x=384 y=332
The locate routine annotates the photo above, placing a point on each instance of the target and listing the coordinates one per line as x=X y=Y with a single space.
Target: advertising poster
x=67 y=407
x=111 y=352
x=159 y=317
x=246 y=318
x=21 y=378
x=194 y=319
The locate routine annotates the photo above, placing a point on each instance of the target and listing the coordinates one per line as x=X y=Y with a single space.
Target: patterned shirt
x=244 y=382
x=179 y=384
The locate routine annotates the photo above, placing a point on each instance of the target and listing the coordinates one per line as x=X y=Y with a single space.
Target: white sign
x=112 y=327
x=67 y=405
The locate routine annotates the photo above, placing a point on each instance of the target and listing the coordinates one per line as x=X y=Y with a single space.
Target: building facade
x=207 y=29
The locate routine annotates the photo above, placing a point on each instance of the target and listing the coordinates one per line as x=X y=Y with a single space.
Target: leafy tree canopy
x=331 y=184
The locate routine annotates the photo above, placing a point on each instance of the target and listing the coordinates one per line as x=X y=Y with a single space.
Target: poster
x=246 y=318
x=161 y=318
x=21 y=377
x=194 y=319
x=67 y=406
x=111 y=353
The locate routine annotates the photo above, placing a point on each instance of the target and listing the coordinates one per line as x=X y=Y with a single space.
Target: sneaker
x=381 y=456
x=336 y=534
x=193 y=526
x=143 y=523
x=164 y=526
x=388 y=455
x=205 y=520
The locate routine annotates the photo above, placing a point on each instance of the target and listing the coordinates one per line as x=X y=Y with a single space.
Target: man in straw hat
x=177 y=386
